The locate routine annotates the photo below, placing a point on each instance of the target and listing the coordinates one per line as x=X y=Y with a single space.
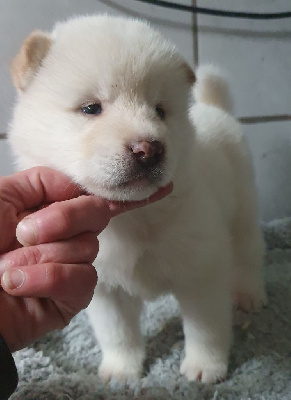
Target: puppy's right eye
x=92 y=109
x=160 y=111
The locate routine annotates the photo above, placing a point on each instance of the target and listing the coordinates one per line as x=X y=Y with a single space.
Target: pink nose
x=147 y=153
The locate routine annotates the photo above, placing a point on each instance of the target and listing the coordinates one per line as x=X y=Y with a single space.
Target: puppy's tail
x=211 y=88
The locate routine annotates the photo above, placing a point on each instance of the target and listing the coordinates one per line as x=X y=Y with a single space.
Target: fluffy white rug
x=63 y=365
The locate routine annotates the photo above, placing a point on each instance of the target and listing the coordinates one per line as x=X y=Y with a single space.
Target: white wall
x=256 y=54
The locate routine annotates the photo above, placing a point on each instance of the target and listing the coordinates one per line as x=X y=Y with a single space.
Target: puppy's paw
x=123 y=376
x=250 y=299
x=123 y=368
x=210 y=372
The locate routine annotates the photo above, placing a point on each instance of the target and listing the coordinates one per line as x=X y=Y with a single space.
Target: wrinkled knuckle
x=31 y=255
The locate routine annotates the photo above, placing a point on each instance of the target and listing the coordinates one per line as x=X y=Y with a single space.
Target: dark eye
x=92 y=109
x=160 y=112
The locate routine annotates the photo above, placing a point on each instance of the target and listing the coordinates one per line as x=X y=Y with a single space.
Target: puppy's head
x=104 y=100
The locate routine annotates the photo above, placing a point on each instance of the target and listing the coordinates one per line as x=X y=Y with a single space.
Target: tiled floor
x=257 y=55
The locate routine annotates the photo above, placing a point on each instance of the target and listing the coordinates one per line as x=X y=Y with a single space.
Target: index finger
x=64 y=220
x=30 y=188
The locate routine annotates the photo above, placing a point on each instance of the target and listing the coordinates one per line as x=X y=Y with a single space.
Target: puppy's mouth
x=128 y=188
x=135 y=183
x=142 y=179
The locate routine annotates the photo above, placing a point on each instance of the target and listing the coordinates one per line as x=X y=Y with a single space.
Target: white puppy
x=106 y=101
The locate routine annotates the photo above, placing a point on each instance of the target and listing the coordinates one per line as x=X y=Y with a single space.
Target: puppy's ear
x=29 y=59
x=190 y=74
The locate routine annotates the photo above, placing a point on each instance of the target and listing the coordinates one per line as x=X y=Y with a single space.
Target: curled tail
x=211 y=88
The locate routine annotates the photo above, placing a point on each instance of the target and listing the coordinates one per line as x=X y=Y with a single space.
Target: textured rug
x=63 y=365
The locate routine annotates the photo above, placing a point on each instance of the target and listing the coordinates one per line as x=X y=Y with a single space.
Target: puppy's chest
x=144 y=261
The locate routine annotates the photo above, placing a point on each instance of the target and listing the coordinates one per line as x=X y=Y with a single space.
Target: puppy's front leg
x=206 y=311
x=114 y=315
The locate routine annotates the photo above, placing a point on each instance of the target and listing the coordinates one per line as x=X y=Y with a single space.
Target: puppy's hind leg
x=114 y=315
x=248 y=250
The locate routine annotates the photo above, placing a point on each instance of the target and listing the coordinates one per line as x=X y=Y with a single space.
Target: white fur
x=212 y=88
x=202 y=243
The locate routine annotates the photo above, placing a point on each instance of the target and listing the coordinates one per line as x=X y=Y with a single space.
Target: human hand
x=46 y=272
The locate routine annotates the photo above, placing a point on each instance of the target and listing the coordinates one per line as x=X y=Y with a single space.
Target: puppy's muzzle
x=147 y=154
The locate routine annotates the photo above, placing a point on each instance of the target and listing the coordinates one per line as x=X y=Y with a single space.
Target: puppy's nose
x=147 y=153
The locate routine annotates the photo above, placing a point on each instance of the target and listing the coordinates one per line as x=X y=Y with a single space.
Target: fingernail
x=26 y=232
x=13 y=279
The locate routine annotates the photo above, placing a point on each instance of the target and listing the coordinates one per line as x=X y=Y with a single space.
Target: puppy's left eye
x=92 y=109
x=160 y=112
